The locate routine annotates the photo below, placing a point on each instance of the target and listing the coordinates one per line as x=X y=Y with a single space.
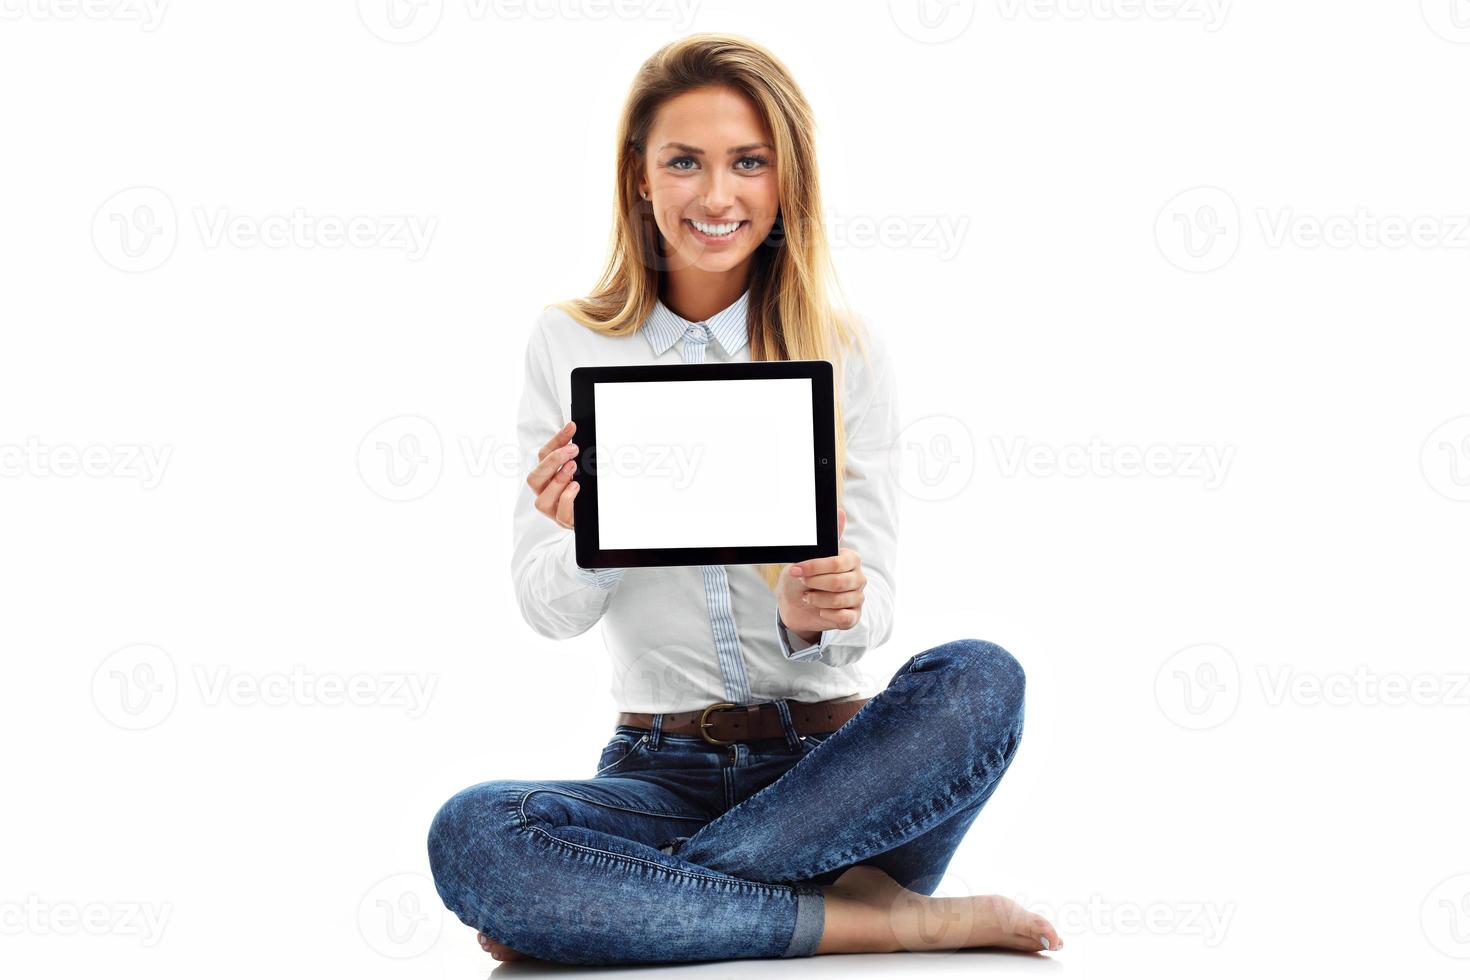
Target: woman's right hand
x=551 y=479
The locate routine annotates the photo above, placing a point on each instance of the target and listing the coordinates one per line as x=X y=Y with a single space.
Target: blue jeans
x=680 y=850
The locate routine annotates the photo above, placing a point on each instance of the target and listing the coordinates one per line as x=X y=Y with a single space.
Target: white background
x=1080 y=226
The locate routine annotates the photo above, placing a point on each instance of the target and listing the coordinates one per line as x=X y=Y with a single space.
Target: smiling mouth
x=712 y=231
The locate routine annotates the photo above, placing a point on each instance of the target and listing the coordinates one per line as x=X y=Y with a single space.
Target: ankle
x=852 y=924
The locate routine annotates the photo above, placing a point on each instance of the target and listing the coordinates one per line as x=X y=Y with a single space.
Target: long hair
x=789 y=314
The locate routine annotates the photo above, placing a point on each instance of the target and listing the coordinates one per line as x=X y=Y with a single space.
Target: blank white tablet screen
x=705 y=464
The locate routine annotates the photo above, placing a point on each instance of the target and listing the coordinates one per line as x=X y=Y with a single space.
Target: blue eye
x=675 y=163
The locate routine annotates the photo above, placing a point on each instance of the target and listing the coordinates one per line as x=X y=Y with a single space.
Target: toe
x=1046 y=935
x=494 y=947
x=503 y=952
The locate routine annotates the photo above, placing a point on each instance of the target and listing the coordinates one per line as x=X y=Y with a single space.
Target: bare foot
x=868 y=912
x=499 y=950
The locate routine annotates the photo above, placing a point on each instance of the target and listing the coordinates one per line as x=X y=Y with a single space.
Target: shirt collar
x=729 y=327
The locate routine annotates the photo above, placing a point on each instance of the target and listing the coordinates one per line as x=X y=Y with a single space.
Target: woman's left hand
x=822 y=593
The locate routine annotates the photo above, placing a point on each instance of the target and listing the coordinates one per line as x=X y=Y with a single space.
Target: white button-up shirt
x=687 y=636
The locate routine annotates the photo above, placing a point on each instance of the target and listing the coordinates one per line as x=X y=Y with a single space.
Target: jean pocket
x=619 y=750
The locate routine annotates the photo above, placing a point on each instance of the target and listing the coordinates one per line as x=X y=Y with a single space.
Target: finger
x=549 y=464
x=851 y=599
x=836 y=581
x=560 y=439
x=845 y=560
x=546 y=500
x=843 y=619
x=841 y=522
x=565 y=515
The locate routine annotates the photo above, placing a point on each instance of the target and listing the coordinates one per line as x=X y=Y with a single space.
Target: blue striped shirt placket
x=716 y=582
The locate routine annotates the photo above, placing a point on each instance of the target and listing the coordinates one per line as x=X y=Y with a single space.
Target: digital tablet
x=704 y=464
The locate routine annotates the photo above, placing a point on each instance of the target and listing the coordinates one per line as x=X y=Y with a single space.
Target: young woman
x=750 y=802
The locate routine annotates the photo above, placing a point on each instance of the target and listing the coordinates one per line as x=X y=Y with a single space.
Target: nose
x=719 y=193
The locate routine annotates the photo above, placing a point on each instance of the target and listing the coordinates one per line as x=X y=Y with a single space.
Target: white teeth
x=715 y=230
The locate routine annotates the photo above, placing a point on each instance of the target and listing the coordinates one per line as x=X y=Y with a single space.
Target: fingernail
x=1045 y=943
x=796 y=570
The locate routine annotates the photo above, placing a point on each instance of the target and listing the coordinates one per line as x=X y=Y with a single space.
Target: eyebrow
x=694 y=149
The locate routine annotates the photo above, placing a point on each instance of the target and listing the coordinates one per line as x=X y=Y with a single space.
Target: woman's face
x=711 y=166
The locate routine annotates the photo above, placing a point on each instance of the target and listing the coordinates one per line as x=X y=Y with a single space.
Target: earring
x=645 y=195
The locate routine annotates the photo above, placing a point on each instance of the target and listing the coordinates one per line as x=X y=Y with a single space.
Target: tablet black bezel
x=824 y=459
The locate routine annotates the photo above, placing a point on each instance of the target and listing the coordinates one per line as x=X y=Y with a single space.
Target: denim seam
x=942 y=812
x=617 y=760
x=738 y=883
x=622 y=758
x=526 y=821
x=923 y=822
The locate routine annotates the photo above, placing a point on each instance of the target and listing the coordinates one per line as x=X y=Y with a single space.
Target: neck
x=698 y=295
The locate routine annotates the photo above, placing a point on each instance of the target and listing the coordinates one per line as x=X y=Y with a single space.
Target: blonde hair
x=789 y=315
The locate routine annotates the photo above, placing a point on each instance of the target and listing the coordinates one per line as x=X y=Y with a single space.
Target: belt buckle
x=705 y=723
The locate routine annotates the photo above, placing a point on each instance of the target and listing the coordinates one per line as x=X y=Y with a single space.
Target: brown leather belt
x=723 y=723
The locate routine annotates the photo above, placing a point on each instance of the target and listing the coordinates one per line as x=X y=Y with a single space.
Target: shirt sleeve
x=557 y=597
x=812 y=652
x=870 y=497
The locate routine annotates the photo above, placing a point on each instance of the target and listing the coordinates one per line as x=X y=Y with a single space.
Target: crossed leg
x=869 y=818
x=930 y=747
x=879 y=808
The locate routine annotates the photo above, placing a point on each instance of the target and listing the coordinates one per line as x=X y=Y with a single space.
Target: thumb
x=841 y=522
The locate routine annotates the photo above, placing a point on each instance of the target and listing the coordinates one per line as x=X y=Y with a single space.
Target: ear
x=841 y=522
